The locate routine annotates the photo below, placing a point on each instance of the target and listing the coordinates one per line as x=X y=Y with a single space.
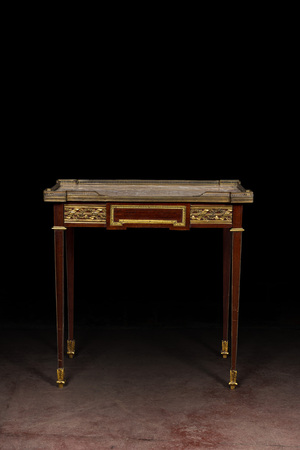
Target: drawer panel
x=148 y=215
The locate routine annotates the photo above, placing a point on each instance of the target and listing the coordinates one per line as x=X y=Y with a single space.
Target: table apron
x=179 y=216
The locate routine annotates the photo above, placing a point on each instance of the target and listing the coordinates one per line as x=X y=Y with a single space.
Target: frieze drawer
x=148 y=215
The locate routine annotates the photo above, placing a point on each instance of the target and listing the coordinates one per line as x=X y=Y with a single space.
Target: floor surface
x=142 y=389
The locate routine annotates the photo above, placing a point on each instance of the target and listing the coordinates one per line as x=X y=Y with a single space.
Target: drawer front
x=210 y=214
x=149 y=215
x=85 y=214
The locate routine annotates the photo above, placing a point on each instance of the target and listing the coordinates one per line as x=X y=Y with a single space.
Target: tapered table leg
x=226 y=288
x=70 y=290
x=59 y=287
x=235 y=290
x=59 y=231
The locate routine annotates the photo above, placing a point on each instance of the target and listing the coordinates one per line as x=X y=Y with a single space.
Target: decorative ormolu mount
x=61 y=378
x=85 y=213
x=232 y=383
x=71 y=348
x=224 y=351
x=211 y=214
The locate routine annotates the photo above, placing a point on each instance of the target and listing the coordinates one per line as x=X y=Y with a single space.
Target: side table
x=123 y=204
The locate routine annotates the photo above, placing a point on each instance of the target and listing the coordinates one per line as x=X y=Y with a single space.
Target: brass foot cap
x=233 y=383
x=71 y=348
x=224 y=351
x=60 y=378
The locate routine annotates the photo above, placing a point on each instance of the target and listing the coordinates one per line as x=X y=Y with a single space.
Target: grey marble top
x=223 y=191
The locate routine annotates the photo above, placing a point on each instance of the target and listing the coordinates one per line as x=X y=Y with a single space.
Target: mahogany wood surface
x=226 y=280
x=145 y=213
x=235 y=283
x=70 y=280
x=59 y=282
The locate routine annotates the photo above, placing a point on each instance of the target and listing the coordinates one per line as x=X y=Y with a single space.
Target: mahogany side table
x=122 y=204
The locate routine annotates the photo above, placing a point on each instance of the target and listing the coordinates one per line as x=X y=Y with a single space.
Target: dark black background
x=158 y=95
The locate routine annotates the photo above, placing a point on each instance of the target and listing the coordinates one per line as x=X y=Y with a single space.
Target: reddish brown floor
x=150 y=389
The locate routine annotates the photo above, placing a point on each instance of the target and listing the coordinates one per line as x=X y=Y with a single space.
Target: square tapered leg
x=59 y=287
x=70 y=290
x=235 y=289
x=226 y=288
x=59 y=231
